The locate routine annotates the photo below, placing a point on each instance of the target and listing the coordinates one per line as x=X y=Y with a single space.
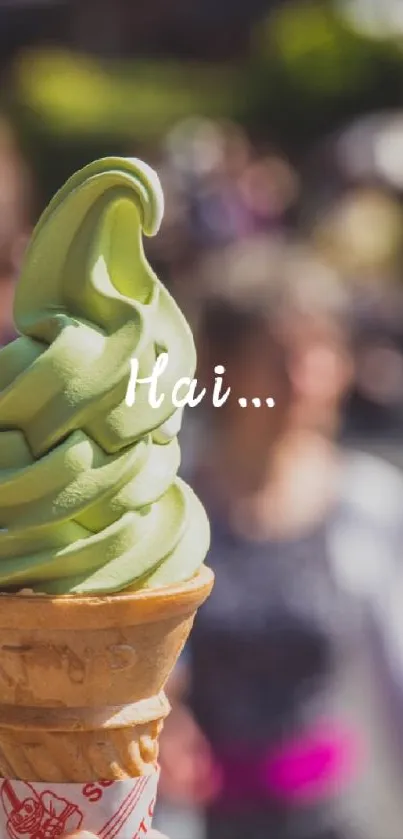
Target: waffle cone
x=82 y=678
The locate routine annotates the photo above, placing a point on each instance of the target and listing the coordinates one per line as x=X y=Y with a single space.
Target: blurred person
x=15 y=215
x=285 y=732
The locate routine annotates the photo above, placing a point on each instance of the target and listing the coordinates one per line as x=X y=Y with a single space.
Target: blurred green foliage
x=139 y=100
x=319 y=54
x=305 y=74
x=313 y=72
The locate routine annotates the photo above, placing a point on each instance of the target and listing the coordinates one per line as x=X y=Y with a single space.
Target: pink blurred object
x=313 y=765
x=301 y=771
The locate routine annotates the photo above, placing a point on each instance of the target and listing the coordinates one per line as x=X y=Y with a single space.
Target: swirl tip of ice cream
x=89 y=495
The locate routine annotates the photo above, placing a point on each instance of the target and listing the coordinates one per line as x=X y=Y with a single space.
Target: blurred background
x=276 y=127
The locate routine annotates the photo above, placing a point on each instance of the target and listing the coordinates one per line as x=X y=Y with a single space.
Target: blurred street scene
x=276 y=127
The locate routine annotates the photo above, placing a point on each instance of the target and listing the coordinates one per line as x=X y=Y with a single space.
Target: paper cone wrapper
x=81 y=693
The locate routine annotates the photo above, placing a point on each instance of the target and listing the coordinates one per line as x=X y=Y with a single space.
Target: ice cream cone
x=82 y=678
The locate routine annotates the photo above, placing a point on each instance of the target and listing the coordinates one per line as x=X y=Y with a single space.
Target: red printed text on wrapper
x=111 y=809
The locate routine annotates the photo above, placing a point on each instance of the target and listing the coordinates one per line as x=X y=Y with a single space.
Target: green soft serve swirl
x=90 y=501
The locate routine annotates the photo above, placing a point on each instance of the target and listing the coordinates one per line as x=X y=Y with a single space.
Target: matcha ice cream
x=90 y=501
